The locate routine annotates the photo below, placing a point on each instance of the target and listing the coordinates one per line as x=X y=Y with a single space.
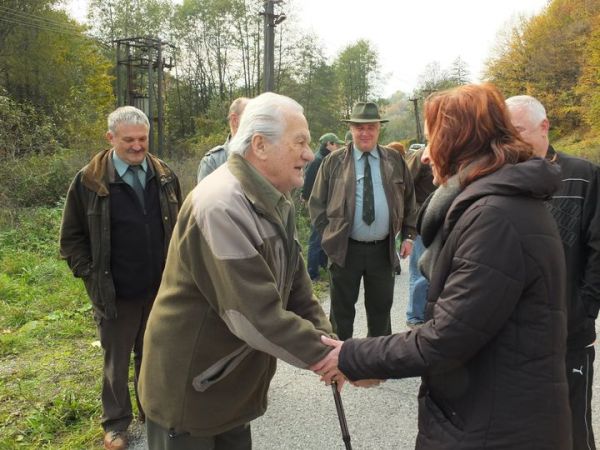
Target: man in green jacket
x=362 y=199
x=235 y=294
x=118 y=219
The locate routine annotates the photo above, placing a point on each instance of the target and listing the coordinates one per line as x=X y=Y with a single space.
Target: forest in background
x=57 y=79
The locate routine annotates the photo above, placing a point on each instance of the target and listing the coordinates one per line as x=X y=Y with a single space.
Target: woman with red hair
x=491 y=352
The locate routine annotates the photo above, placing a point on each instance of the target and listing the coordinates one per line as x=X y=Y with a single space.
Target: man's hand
x=327 y=368
x=406 y=248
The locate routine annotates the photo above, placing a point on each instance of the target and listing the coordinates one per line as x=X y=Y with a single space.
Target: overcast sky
x=407 y=34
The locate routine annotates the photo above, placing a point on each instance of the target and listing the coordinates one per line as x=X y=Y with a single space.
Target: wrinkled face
x=287 y=158
x=130 y=142
x=535 y=134
x=426 y=158
x=365 y=135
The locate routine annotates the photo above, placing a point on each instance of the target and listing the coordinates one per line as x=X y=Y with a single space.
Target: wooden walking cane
x=341 y=416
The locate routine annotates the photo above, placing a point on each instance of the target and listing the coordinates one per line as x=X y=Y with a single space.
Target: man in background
x=362 y=198
x=235 y=294
x=316 y=256
x=218 y=155
x=576 y=208
x=117 y=222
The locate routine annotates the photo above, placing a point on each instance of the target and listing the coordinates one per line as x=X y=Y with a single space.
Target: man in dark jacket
x=117 y=222
x=316 y=256
x=576 y=208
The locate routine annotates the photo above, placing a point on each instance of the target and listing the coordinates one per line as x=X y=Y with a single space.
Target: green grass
x=50 y=373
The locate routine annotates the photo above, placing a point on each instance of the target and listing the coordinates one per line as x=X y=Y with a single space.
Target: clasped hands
x=329 y=371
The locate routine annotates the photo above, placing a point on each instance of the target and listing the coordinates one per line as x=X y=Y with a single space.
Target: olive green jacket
x=235 y=295
x=85 y=229
x=332 y=201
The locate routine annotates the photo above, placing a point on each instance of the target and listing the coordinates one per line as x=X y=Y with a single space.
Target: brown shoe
x=115 y=440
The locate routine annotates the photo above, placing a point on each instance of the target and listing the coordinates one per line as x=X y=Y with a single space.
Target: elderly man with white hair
x=117 y=222
x=576 y=208
x=235 y=294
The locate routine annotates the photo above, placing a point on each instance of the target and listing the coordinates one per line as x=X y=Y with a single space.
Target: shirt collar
x=358 y=154
x=121 y=166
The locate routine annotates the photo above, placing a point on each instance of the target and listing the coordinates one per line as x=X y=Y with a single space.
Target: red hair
x=470 y=125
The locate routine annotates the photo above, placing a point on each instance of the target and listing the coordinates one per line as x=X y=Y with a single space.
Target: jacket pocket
x=220 y=369
x=436 y=419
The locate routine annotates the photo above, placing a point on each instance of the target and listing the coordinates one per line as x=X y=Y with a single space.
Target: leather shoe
x=115 y=440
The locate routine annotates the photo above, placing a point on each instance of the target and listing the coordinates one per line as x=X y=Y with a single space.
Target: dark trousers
x=119 y=337
x=580 y=375
x=371 y=263
x=316 y=256
x=160 y=438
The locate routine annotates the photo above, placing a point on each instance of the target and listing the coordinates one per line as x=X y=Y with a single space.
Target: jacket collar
x=100 y=172
x=259 y=191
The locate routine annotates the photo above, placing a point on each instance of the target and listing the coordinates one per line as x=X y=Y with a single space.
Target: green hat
x=365 y=112
x=330 y=137
x=348 y=137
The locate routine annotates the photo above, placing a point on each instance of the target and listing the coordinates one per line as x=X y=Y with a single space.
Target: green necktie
x=137 y=184
x=368 y=213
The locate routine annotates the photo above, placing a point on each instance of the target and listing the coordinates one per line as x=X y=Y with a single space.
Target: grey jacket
x=213 y=159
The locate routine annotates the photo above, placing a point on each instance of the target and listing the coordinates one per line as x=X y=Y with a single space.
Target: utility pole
x=415 y=101
x=140 y=78
x=270 y=21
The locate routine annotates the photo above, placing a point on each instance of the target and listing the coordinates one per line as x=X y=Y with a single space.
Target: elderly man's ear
x=259 y=147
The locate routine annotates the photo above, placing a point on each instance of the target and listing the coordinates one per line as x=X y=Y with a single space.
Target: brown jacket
x=331 y=203
x=85 y=229
x=422 y=176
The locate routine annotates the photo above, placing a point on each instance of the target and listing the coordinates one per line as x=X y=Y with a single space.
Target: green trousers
x=369 y=262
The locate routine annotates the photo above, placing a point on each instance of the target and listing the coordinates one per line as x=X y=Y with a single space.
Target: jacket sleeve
x=235 y=277
x=303 y=302
x=484 y=285
x=590 y=287
x=409 y=223
x=317 y=203
x=74 y=233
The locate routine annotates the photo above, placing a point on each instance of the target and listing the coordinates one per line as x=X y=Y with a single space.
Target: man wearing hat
x=316 y=256
x=362 y=198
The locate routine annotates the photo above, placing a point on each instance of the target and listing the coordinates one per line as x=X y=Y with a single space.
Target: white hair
x=264 y=115
x=238 y=106
x=126 y=115
x=535 y=109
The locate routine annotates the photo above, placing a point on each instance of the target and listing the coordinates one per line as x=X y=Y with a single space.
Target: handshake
x=329 y=371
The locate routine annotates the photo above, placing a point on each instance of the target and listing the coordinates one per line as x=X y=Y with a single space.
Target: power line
x=43 y=20
x=15 y=21
x=48 y=25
